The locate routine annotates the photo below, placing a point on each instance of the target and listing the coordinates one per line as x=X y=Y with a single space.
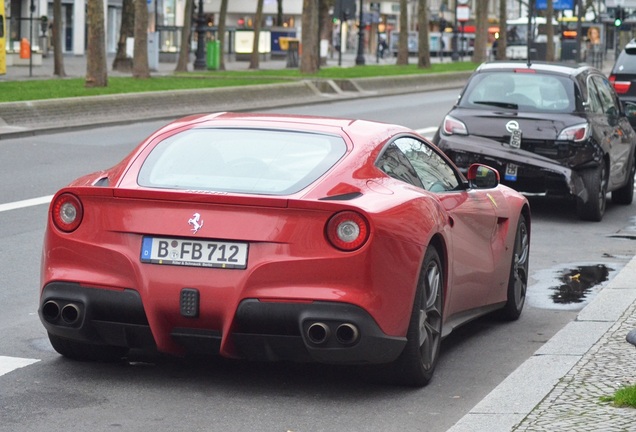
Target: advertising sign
x=556 y=4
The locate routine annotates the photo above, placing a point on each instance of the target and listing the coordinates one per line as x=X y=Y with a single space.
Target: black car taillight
x=621 y=87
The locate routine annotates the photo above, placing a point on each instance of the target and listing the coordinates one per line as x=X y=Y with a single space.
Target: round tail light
x=347 y=230
x=67 y=212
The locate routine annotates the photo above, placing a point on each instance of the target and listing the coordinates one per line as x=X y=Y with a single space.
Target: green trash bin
x=213 y=54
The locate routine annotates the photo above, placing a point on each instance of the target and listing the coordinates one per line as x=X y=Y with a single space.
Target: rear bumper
x=325 y=332
x=536 y=175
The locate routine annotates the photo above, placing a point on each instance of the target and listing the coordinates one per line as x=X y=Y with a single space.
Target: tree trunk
x=186 y=33
x=140 y=54
x=424 y=50
x=309 y=60
x=503 y=30
x=58 y=55
x=403 y=40
x=96 y=69
x=279 y=13
x=481 y=36
x=254 y=59
x=549 y=53
x=122 y=62
x=221 y=34
x=324 y=28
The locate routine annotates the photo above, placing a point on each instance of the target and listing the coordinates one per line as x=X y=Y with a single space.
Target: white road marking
x=427 y=131
x=9 y=364
x=25 y=203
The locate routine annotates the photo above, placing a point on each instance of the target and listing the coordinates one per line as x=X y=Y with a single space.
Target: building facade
x=166 y=17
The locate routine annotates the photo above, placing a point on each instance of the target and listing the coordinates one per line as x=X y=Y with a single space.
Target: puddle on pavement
x=575 y=284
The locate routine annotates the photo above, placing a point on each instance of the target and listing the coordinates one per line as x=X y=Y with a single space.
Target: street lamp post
x=199 y=61
x=360 y=56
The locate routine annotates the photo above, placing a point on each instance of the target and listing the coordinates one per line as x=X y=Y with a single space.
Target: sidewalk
x=559 y=387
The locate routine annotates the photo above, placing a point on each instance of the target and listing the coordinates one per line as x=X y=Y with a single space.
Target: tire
x=416 y=364
x=518 y=279
x=625 y=195
x=595 y=183
x=87 y=352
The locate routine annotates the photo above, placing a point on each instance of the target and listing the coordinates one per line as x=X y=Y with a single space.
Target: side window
x=394 y=163
x=435 y=173
x=605 y=95
x=596 y=106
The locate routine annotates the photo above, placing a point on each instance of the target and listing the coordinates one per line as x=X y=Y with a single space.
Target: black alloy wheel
x=595 y=182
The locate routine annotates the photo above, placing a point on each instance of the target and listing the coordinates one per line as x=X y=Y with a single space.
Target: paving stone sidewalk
x=575 y=404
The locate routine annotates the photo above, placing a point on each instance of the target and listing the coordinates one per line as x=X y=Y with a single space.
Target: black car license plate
x=515 y=139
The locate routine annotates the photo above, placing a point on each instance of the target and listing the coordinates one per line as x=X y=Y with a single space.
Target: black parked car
x=550 y=130
x=623 y=78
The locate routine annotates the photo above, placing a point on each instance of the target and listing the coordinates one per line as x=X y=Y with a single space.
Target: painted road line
x=8 y=364
x=25 y=203
x=427 y=131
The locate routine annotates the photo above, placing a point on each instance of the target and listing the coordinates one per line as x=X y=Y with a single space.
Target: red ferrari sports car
x=274 y=237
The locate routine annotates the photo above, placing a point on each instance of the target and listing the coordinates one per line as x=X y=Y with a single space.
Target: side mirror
x=482 y=177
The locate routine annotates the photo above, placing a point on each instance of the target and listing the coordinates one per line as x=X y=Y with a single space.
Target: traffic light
x=344 y=9
x=619 y=17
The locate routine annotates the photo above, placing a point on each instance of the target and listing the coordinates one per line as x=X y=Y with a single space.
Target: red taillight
x=525 y=70
x=621 y=87
x=67 y=212
x=347 y=230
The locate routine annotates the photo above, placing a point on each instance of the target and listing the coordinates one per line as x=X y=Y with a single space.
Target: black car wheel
x=625 y=195
x=87 y=352
x=417 y=362
x=518 y=280
x=595 y=183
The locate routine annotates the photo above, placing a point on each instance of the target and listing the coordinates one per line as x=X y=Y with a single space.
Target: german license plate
x=511 y=172
x=194 y=252
x=515 y=139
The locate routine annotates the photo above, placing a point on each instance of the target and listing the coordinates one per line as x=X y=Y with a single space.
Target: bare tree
x=186 y=32
x=424 y=50
x=309 y=60
x=503 y=30
x=96 y=69
x=122 y=62
x=140 y=54
x=549 y=53
x=257 y=33
x=403 y=40
x=481 y=33
x=221 y=33
x=58 y=57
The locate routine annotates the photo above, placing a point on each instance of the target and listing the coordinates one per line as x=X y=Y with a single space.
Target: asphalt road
x=153 y=393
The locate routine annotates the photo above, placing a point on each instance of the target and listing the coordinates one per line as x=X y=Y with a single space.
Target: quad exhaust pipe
x=319 y=333
x=347 y=334
x=52 y=312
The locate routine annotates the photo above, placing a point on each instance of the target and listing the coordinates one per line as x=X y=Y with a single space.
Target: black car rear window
x=626 y=62
x=254 y=161
x=523 y=91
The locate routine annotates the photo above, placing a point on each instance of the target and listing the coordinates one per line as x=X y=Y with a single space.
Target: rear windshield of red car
x=524 y=91
x=252 y=161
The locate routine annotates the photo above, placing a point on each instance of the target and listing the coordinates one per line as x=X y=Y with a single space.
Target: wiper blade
x=508 y=105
